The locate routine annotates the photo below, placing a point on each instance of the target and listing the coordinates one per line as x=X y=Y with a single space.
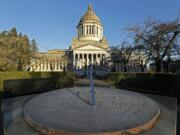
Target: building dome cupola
x=89 y=26
x=89 y=7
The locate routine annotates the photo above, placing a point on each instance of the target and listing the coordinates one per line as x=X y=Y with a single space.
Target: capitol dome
x=89 y=16
x=90 y=27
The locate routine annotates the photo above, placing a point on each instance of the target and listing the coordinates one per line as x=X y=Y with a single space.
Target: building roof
x=54 y=51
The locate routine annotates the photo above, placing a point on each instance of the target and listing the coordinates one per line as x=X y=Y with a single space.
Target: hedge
x=159 y=83
x=63 y=79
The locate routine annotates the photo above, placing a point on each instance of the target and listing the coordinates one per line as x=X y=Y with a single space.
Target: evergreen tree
x=16 y=50
x=13 y=32
x=34 y=45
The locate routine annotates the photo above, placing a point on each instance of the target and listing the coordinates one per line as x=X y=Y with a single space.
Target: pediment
x=89 y=47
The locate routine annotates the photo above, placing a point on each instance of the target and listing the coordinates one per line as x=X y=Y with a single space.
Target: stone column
x=85 y=30
x=48 y=65
x=61 y=66
x=89 y=29
x=96 y=58
x=44 y=64
x=102 y=58
x=55 y=66
x=87 y=59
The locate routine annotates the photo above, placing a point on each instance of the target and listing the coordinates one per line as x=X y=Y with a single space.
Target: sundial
x=93 y=99
x=91 y=111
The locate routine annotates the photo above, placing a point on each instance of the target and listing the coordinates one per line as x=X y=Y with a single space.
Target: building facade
x=89 y=46
x=53 y=60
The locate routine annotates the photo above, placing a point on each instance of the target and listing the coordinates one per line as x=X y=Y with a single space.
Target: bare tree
x=141 y=58
x=121 y=54
x=157 y=38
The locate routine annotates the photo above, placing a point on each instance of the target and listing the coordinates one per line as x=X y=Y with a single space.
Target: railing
x=27 y=86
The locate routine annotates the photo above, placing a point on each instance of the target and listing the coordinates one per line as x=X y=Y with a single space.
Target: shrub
x=159 y=83
x=62 y=78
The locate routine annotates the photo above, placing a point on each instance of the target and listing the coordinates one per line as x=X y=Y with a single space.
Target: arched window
x=76 y=55
x=80 y=56
x=85 y=56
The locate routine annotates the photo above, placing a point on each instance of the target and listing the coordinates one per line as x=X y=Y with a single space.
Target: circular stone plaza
x=69 y=112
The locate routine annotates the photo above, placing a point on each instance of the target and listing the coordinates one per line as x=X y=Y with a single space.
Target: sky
x=53 y=22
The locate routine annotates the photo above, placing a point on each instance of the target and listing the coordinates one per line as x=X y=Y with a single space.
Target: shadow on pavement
x=178 y=120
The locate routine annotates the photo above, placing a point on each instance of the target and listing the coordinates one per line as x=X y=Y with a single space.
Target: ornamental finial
x=89 y=7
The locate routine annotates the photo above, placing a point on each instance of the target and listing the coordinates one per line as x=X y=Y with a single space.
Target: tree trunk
x=125 y=68
x=158 y=65
x=19 y=68
x=142 y=67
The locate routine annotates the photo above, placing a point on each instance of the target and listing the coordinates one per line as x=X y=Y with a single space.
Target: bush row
x=162 y=83
x=62 y=79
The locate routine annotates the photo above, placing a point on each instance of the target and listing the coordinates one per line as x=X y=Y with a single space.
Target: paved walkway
x=86 y=82
x=15 y=125
x=178 y=120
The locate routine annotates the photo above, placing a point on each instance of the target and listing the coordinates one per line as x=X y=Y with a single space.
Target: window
x=57 y=65
x=82 y=30
x=87 y=29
